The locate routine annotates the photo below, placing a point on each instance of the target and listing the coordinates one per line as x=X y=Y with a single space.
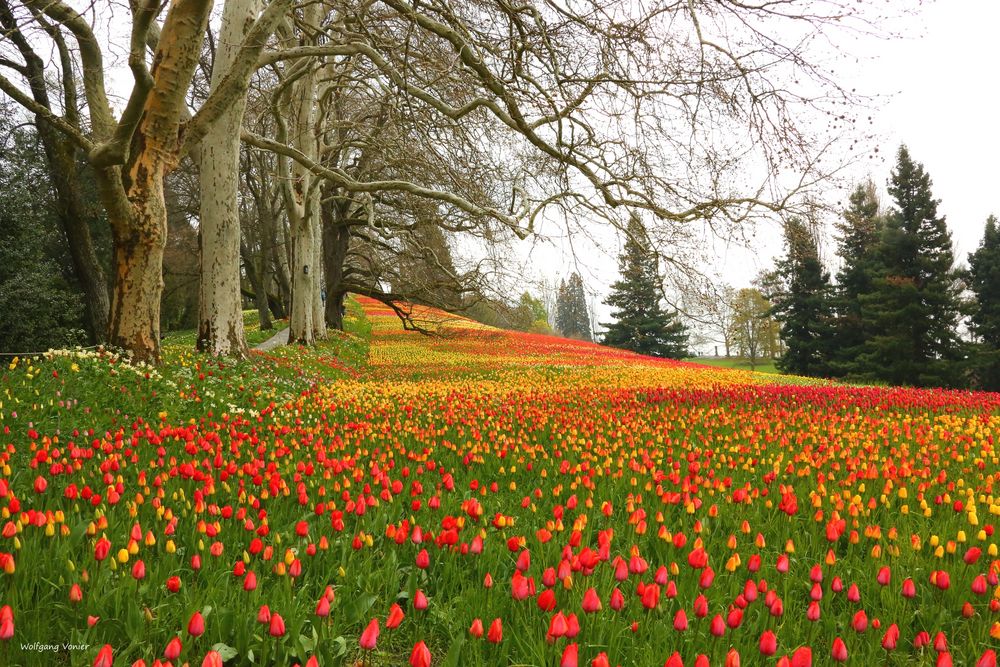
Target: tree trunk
x=259 y=290
x=135 y=306
x=220 y=310
x=300 y=324
x=336 y=240
x=302 y=202
x=65 y=176
x=318 y=306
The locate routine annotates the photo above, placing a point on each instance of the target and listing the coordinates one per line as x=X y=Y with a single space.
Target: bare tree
x=131 y=153
x=592 y=107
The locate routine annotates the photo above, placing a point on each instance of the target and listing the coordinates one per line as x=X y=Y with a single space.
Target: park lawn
x=743 y=363
x=486 y=497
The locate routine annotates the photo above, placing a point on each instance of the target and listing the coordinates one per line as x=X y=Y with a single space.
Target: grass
x=742 y=363
x=251 y=326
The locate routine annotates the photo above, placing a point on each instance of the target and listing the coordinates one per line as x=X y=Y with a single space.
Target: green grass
x=251 y=326
x=742 y=363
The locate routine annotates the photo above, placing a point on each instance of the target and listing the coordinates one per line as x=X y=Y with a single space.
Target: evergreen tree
x=641 y=324
x=913 y=307
x=572 y=314
x=984 y=282
x=39 y=307
x=857 y=246
x=802 y=304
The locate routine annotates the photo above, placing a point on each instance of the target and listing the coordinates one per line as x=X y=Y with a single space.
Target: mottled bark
x=220 y=309
x=301 y=197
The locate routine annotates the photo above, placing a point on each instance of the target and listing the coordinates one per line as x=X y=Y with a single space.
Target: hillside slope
x=491 y=498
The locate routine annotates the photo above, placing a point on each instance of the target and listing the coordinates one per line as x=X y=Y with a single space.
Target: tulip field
x=484 y=497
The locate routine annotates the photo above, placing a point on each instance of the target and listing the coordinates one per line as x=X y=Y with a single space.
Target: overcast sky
x=939 y=82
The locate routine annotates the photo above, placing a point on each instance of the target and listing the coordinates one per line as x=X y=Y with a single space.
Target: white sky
x=940 y=98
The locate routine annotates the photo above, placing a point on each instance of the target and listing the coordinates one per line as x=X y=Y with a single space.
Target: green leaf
x=227 y=652
x=452 y=659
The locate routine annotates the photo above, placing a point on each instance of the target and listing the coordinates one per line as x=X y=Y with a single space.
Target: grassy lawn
x=762 y=365
x=251 y=325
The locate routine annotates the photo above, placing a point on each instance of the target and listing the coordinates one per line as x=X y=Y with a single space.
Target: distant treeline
x=899 y=311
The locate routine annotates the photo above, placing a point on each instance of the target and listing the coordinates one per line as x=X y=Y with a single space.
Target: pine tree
x=984 y=282
x=913 y=307
x=802 y=304
x=641 y=324
x=572 y=314
x=857 y=245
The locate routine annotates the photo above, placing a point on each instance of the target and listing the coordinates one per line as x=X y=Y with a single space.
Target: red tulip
x=651 y=596
x=173 y=649
x=680 y=621
x=884 y=576
x=972 y=555
x=944 y=660
x=546 y=600
x=75 y=593
x=213 y=659
x=569 y=656
x=6 y=622
x=601 y=660
x=768 y=643
x=277 y=626
x=264 y=614
x=323 y=607
x=423 y=559
x=558 y=625
x=174 y=584
x=591 y=601
x=370 y=636
x=988 y=659
x=419 y=600
x=782 y=565
x=701 y=606
x=803 y=657
x=105 y=657
x=891 y=637
x=839 y=650
x=617 y=600
x=495 y=633
x=909 y=588
x=813 y=611
x=718 y=626
x=196 y=625
x=395 y=616
x=674 y=660
x=476 y=629
x=421 y=655
x=572 y=625
x=101 y=549
x=860 y=621
x=732 y=658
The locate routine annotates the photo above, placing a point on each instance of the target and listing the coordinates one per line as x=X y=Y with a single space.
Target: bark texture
x=220 y=308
